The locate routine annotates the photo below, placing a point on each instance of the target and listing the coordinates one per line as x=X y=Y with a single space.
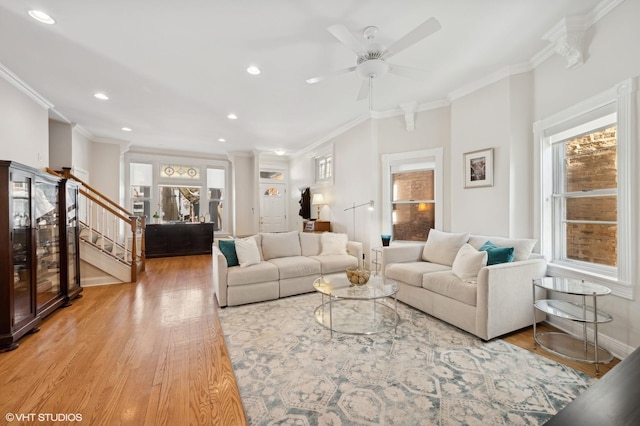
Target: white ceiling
x=174 y=69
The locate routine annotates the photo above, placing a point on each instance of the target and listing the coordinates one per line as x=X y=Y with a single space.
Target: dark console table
x=612 y=400
x=178 y=239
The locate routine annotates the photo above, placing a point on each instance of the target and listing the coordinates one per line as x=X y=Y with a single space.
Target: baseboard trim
x=617 y=348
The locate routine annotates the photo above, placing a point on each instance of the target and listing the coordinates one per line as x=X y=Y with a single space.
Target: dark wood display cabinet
x=178 y=239
x=34 y=249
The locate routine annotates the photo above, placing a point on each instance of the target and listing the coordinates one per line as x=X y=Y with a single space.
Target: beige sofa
x=496 y=300
x=288 y=264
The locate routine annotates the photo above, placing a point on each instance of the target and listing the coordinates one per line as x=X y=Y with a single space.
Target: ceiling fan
x=372 y=58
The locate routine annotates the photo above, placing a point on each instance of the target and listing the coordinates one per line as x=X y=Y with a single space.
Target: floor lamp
x=354 y=207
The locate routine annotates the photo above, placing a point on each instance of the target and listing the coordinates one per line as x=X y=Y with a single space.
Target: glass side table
x=563 y=344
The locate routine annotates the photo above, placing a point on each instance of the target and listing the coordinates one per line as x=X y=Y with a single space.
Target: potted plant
x=156 y=216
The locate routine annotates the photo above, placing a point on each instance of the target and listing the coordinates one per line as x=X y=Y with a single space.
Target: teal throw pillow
x=496 y=255
x=228 y=248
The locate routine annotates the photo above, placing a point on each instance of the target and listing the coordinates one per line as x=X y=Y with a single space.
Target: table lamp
x=318 y=200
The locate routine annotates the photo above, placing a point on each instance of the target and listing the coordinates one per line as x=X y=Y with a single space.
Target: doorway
x=272 y=207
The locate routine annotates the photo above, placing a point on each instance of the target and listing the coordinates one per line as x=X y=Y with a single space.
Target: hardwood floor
x=150 y=353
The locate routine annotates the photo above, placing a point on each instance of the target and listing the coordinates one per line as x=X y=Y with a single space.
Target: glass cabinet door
x=72 y=238
x=46 y=198
x=21 y=230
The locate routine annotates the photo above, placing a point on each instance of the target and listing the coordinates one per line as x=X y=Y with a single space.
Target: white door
x=272 y=207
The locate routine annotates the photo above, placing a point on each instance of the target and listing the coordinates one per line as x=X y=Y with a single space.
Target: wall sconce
x=318 y=200
x=354 y=207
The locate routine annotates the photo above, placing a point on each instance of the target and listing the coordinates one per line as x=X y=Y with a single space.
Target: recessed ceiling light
x=101 y=96
x=222 y=140
x=232 y=116
x=279 y=151
x=253 y=70
x=126 y=129
x=42 y=17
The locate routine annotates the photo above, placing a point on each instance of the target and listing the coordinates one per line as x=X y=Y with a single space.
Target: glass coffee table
x=352 y=309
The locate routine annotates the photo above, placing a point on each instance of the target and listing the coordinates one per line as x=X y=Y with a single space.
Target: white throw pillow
x=442 y=247
x=468 y=262
x=247 y=251
x=333 y=243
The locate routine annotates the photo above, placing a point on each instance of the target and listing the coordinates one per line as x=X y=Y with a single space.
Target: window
x=585 y=201
x=141 y=178
x=190 y=190
x=324 y=168
x=215 y=187
x=413 y=203
x=411 y=190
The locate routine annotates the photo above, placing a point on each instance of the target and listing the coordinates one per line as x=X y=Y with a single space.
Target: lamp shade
x=317 y=199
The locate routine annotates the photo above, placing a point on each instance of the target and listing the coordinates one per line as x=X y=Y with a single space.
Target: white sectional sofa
x=446 y=277
x=286 y=264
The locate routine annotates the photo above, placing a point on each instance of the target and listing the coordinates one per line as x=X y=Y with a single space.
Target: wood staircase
x=112 y=239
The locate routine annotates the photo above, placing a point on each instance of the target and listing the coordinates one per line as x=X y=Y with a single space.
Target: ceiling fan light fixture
x=372 y=68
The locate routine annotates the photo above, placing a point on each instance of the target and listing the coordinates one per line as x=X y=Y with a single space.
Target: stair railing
x=110 y=226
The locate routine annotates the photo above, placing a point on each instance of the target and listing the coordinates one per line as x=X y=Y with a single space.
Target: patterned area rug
x=291 y=371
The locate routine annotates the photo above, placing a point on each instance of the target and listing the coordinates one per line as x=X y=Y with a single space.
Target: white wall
x=611 y=59
x=105 y=169
x=81 y=152
x=432 y=130
x=59 y=144
x=24 y=128
x=245 y=204
x=480 y=120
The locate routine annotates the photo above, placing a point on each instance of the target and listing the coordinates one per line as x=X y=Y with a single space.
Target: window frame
x=156 y=160
x=323 y=156
x=391 y=162
x=619 y=99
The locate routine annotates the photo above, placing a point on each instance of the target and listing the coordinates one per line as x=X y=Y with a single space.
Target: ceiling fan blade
x=421 y=32
x=410 y=72
x=347 y=38
x=363 y=93
x=314 y=80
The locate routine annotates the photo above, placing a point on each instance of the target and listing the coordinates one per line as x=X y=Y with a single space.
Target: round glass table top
x=378 y=287
x=572 y=286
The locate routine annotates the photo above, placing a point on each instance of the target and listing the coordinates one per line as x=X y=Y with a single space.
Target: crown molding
x=427 y=106
x=84 y=132
x=600 y=11
x=337 y=132
x=18 y=83
x=587 y=20
x=490 y=79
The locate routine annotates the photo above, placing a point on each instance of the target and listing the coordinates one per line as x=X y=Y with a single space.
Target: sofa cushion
x=335 y=262
x=497 y=255
x=280 y=244
x=447 y=284
x=228 y=249
x=296 y=266
x=258 y=273
x=442 y=247
x=522 y=246
x=412 y=273
x=310 y=243
x=468 y=262
x=333 y=243
x=247 y=251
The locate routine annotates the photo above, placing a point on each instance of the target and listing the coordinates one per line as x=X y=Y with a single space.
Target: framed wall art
x=478 y=168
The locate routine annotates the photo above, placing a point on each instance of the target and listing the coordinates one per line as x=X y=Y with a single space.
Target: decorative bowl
x=358 y=276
